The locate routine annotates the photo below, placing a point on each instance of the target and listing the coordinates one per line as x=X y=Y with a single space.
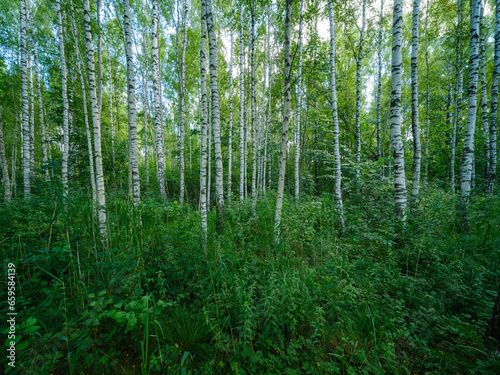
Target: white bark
x=494 y=103
x=286 y=120
x=132 y=106
x=219 y=192
x=101 y=193
x=111 y=110
x=395 y=117
x=468 y=157
x=3 y=162
x=456 y=101
x=40 y=110
x=230 y=146
x=253 y=104
x=203 y=145
x=358 y=91
x=299 y=103
x=427 y=93
x=417 y=150
x=379 y=81
x=336 y=146
x=182 y=86
x=145 y=103
x=32 y=113
x=160 y=148
x=484 y=93
x=65 y=153
x=85 y=114
x=242 y=106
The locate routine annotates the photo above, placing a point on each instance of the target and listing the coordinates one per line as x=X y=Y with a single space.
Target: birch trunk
x=219 y=192
x=242 y=105
x=379 y=82
x=426 y=169
x=160 y=149
x=268 y=119
x=395 y=118
x=230 y=146
x=253 y=105
x=456 y=101
x=3 y=161
x=358 y=92
x=32 y=113
x=64 y=101
x=417 y=150
x=111 y=110
x=286 y=120
x=203 y=145
x=484 y=93
x=99 y=60
x=299 y=104
x=101 y=193
x=40 y=110
x=85 y=114
x=145 y=103
x=132 y=106
x=468 y=157
x=182 y=86
x=494 y=103
x=336 y=146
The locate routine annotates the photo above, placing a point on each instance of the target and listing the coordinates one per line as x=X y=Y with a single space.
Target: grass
x=154 y=303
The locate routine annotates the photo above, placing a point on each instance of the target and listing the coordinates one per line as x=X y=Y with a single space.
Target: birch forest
x=249 y=187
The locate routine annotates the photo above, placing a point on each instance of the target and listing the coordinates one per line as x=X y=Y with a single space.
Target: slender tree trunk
x=426 y=169
x=203 y=145
x=14 y=154
x=484 y=93
x=242 y=114
x=253 y=105
x=336 y=146
x=230 y=145
x=101 y=192
x=286 y=120
x=417 y=150
x=64 y=101
x=268 y=119
x=160 y=148
x=132 y=110
x=145 y=103
x=219 y=192
x=396 y=142
x=494 y=103
x=358 y=92
x=182 y=86
x=99 y=59
x=456 y=101
x=32 y=113
x=40 y=110
x=85 y=114
x=299 y=105
x=468 y=157
x=111 y=111
x=4 y=165
x=210 y=141
x=379 y=84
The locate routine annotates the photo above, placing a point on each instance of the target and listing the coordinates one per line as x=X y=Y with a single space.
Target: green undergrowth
x=153 y=302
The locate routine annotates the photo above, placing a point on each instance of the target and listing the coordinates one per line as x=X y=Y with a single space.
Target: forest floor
x=153 y=302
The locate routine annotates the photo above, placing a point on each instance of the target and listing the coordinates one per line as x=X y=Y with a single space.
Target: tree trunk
x=160 y=148
x=203 y=145
x=468 y=156
x=396 y=142
x=132 y=110
x=494 y=103
x=230 y=146
x=25 y=110
x=182 y=86
x=484 y=93
x=101 y=193
x=65 y=153
x=40 y=110
x=99 y=60
x=32 y=112
x=3 y=161
x=253 y=105
x=85 y=114
x=456 y=101
x=417 y=150
x=145 y=103
x=358 y=92
x=242 y=106
x=426 y=170
x=286 y=120
x=111 y=112
x=299 y=105
x=379 y=84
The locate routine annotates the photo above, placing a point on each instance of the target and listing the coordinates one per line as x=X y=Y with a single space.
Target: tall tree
x=182 y=90
x=4 y=165
x=160 y=150
x=453 y=140
x=299 y=105
x=101 y=192
x=468 y=153
x=230 y=145
x=242 y=104
x=40 y=112
x=359 y=60
x=286 y=120
x=484 y=93
x=335 y=116
x=395 y=118
x=379 y=80
x=219 y=192
x=24 y=98
x=417 y=150
x=253 y=105
x=427 y=95
x=204 y=124
x=494 y=103
x=132 y=110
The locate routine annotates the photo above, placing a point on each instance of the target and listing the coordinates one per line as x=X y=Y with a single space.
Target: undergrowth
x=153 y=302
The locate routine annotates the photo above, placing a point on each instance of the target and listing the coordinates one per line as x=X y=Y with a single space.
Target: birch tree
x=219 y=192
x=132 y=110
x=299 y=105
x=494 y=103
x=230 y=145
x=453 y=140
x=484 y=93
x=395 y=116
x=417 y=150
x=242 y=114
x=160 y=150
x=203 y=143
x=182 y=85
x=427 y=100
x=101 y=193
x=4 y=165
x=286 y=120
x=468 y=153
x=24 y=100
x=40 y=112
x=358 y=91
x=379 y=81
x=65 y=153
x=336 y=146
x=253 y=105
